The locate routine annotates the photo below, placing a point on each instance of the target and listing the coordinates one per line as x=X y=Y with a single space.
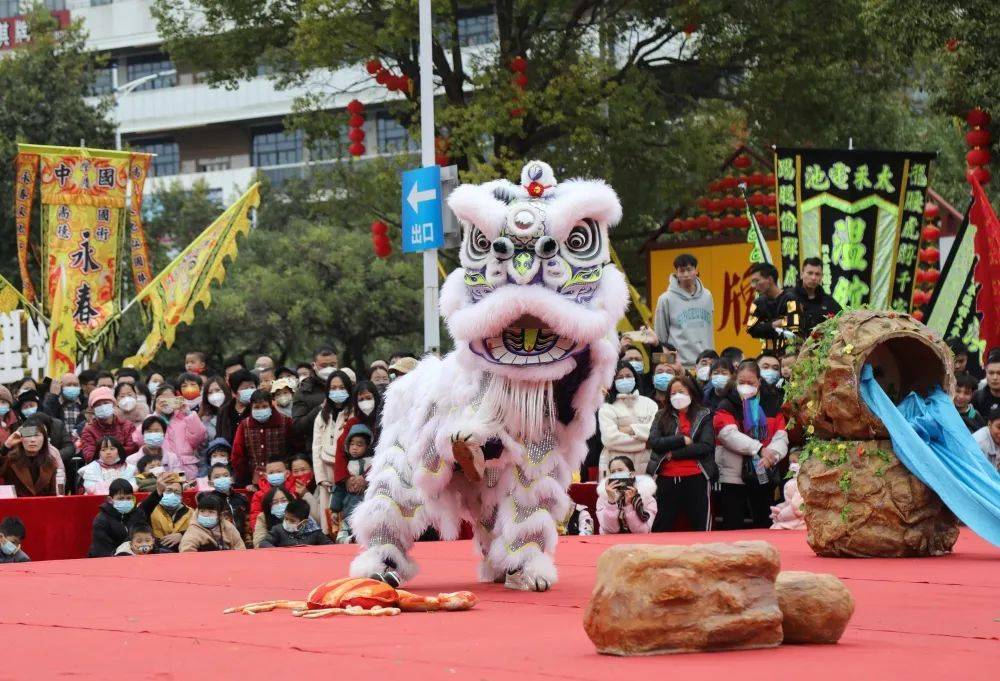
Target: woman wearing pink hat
x=105 y=424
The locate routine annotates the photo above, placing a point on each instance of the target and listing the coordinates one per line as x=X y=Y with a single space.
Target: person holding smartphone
x=25 y=463
x=626 y=502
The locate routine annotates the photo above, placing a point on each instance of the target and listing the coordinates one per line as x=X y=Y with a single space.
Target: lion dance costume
x=492 y=433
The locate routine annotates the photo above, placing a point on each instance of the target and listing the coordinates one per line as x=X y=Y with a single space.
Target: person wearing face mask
x=189 y=387
x=750 y=442
x=216 y=451
x=185 y=433
x=153 y=432
x=64 y=402
x=242 y=385
x=379 y=375
x=106 y=424
x=140 y=542
x=129 y=406
x=327 y=431
x=259 y=439
x=109 y=465
x=213 y=399
x=12 y=535
x=25 y=462
x=210 y=530
x=663 y=374
x=682 y=441
x=312 y=392
x=282 y=392
x=116 y=517
x=624 y=421
x=703 y=369
x=171 y=518
x=271 y=512
x=234 y=505
x=770 y=372
x=720 y=374
x=8 y=417
x=296 y=529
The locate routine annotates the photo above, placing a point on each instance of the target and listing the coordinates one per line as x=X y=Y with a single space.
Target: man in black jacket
x=774 y=314
x=117 y=515
x=817 y=305
x=309 y=397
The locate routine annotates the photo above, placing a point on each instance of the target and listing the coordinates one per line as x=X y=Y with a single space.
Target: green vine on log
x=837 y=454
x=810 y=369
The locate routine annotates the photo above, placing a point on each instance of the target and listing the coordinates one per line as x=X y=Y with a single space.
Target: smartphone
x=28 y=431
x=664 y=358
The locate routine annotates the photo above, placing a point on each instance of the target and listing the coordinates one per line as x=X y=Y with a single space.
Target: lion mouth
x=527 y=341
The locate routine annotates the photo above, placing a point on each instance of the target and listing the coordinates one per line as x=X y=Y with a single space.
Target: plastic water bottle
x=586 y=523
x=60 y=482
x=758 y=465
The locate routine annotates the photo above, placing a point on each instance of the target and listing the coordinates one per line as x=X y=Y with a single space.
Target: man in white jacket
x=684 y=318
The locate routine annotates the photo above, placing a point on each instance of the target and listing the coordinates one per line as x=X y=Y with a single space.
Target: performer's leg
x=734 y=503
x=389 y=520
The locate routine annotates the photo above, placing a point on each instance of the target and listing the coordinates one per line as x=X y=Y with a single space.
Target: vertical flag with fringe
x=26 y=166
x=62 y=354
x=172 y=296
x=987 y=272
x=759 y=250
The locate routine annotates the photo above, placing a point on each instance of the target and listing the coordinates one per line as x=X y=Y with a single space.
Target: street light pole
x=120 y=92
x=432 y=325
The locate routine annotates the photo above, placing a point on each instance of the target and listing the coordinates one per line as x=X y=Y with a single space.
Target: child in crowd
x=296 y=528
x=153 y=434
x=147 y=468
x=272 y=512
x=350 y=492
x=787 y=362
x=211 y=531
x=988 y=437
x=626 y=502
x=140 y=542
x=965 y=387
x=12 y=535
x=107 y=466
x=116 y=518
x=789 y=514
x=282 y=391
x=171 y=518
x=235 y=507
x=261 y=438
x=275 y=474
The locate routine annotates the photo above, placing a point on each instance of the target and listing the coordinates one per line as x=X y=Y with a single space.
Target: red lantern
x=521 y=80
x=382 y=245
x=373 y=66
x=518 y=64
x=382 y=77
x=977 y=118
x=742 y=222
x=675 y=225
x=930 y=233
x=932 y=275
x=978 y=138
x=357 y=149
x=921 y=298
x=741 y=162
x=768 y=200
x=930 y=210
x=355 y=107
x=702 y=221
x=978 y=157
x=929 y=255
x=918 y=315
x=355 y=121
x=769 y=180
x=981 y=173
x=690 y=28
x=356 y=135
x=757 y=179
x=516 y=113
x=715 y=226
x=379 y=228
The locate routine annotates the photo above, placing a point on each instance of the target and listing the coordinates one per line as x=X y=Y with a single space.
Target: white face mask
x=367 y=406
x=155 y=470
x=325 y=372
x=127 y=403
x=283 y=400
x=216 y=399
x=680 y=400
x=746 y=391
x=703 y=372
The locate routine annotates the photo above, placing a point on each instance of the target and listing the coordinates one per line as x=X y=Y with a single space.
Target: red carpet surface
x=161 y=617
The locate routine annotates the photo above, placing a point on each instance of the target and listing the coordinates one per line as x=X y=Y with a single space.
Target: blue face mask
x=662 y=381
x=71 y=392
x=153 y=439
x=207 y=521
x=278 y=510
x=223 y=484
x=123 y=506
x=338 y=396
x=170 y=500
x=625 y=386
x=104 y=411
x=275 y=479
x=4 y=408
x=28 y=411
x=245 y=395
x=9 y=548
x=770 y=375
x=719 y=381
x=637 y=365
x=261 y=415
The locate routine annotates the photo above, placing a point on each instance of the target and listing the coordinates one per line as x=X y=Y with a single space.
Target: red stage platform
x=161 y=616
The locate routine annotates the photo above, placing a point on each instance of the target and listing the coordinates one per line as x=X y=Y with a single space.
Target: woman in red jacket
x=106 y=424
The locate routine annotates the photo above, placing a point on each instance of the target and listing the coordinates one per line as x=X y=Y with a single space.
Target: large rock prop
x=862 y=502
x=815 y=607
x=676 y=599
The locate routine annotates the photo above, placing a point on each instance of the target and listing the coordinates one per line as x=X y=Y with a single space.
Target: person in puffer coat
x=296 y=529
x=626 y=502
x=624 y=421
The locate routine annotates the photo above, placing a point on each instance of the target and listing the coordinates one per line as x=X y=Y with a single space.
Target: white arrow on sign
x=415 y=198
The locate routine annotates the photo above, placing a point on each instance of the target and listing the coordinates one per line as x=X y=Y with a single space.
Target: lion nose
x=546 y=247
x=503 y=248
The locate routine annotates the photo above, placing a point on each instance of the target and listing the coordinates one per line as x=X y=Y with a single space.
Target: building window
x=392 y=137
x=210 y=165
x=97 y=3
x=103 y=81
x=10 y=8
x=277 y=147
x=330 y=149
x=477 y=29
x=138 y=67
x=168 y=156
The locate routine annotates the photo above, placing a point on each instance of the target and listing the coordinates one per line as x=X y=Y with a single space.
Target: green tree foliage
x=43 y=100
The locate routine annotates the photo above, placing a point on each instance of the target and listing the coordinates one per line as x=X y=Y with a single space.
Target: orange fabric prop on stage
x=361 y=596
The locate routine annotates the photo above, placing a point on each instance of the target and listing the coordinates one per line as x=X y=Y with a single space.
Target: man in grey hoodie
x=684 y=318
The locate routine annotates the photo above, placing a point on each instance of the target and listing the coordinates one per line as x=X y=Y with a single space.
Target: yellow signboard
x=723 y=268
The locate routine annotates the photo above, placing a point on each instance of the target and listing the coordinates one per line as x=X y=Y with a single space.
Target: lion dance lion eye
x=478 y=244
x=584 y=240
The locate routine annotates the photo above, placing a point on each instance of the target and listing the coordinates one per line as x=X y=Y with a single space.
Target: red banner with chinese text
x=987 y=272
x=24 y=193
x=138 y=248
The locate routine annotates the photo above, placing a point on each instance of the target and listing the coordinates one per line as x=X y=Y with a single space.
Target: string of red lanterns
x=380 y=239
x=386 y=78
x=356 y=122
x=978 y=139
x=929 y=256
x=729 y=211
x=519 y=67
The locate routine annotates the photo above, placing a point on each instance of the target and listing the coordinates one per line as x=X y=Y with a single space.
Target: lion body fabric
x=533 y=312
